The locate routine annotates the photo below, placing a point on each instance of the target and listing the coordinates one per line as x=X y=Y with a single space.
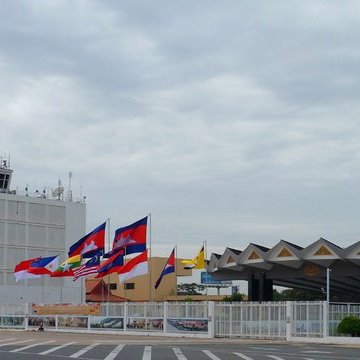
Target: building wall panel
x=16 y=234
x=37 y=213
x=16 y=210
x=56 y=237
x=57 y=215
x=13 y=256
x=37 y=236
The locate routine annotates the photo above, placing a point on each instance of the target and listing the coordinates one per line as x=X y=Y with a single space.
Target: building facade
x=34 y=225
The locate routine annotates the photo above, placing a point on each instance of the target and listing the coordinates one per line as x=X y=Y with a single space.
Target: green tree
x=297 y=295
x=234 y=297
x=190 y=289
x=350 y=325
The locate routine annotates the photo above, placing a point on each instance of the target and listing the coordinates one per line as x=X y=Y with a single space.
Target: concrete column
x=125 y=316
x=288 y=320
x=165 y=304
x=211 y=319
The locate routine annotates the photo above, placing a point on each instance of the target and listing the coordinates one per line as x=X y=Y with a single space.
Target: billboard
x=207 y=279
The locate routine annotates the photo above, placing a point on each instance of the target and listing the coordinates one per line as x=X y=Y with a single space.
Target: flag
x=44 y=266
x=168 y=268
x=90 y=267
x=21 y=270
x=131 y=237
x=90 y=244
x=134 y=267
x=111 y=265
x=197 y=263
x=66 y=268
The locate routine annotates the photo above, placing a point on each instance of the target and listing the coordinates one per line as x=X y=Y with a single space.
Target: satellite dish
x=57 y=191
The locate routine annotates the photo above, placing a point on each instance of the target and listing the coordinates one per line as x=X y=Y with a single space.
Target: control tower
x=5 y=175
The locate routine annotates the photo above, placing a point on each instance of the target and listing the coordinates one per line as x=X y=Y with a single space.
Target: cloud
x=231 y=123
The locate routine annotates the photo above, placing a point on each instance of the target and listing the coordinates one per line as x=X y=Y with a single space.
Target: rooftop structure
x=34 y=224
x=290 y=265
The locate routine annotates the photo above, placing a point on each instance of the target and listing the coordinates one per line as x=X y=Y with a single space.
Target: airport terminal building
x=33 y=225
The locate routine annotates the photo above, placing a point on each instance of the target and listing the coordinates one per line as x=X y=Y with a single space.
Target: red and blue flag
x=168 y=268
x=89 y=245
x=132 y=237
x=112 y=264
x=44 y=266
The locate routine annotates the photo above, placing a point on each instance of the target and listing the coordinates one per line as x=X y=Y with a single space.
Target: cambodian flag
x=131 y=237
x=113 y=264
x=90 y=244
x=168 y=268
x=44 y=266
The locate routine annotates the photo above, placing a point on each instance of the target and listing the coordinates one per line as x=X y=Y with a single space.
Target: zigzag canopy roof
x=290 y=265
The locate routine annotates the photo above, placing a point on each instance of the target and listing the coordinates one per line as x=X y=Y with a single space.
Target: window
x=129 y=286
x=113 y=286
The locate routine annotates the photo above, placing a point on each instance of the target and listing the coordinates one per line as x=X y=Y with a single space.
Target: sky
x=230 y=122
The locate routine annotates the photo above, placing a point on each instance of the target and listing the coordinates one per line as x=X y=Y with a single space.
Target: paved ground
x=21 y=345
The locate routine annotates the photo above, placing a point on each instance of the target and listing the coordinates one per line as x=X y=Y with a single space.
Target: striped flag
x=90 y=267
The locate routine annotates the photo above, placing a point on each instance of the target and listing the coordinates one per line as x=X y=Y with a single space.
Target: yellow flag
x=198 y=262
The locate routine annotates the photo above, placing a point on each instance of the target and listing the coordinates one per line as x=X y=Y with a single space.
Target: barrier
x=252 y=320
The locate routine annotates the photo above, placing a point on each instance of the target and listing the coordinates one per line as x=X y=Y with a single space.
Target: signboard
x=93 y=309
x=207 y=279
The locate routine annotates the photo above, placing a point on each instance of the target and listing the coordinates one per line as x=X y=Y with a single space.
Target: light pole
x=328 y=286
x=327 y=322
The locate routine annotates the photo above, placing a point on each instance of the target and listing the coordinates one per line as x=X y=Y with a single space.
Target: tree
x=190 y=289
x=234 y=297
x=297 y=295
x=350 y=325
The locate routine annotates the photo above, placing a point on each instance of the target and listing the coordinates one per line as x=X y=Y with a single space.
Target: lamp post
x=328 y=286
x=327 y=322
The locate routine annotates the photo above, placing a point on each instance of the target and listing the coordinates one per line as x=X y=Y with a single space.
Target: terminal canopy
x=290 y=265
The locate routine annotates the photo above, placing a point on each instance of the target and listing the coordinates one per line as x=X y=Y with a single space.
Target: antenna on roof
x=58 y=191
x=70 y=191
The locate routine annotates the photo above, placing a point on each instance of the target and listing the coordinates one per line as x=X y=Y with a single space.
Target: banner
x=93 y=309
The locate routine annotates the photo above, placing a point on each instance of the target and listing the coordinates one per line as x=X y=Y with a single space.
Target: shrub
x=350 y=326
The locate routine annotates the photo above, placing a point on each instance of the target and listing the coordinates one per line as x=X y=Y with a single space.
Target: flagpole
x=108 y=295
x=82 y=289
x=175 y=265
x=205 y=256
x=150 y=261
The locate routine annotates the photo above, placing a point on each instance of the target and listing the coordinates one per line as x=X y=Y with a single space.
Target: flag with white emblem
x=66 y=268
x=89 y=245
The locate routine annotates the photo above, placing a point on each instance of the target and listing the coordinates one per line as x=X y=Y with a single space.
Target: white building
x=33 y=225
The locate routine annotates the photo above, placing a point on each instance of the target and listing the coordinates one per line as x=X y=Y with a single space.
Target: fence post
x=125 y=315
x=27 y=313
x=288 y=320
x=88 y=324
x=165 y=304
x=326 y=318
x=231 y=320
x=211 y=319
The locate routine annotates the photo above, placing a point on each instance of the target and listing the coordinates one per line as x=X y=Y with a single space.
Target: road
x=54 y=346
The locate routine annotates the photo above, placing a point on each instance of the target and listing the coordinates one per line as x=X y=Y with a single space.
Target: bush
x=234 y=297
x=350 y=326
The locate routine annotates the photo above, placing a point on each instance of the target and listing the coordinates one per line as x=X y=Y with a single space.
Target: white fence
x=269 y=320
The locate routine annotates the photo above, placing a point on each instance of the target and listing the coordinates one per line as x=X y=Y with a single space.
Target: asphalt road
x=55 y=346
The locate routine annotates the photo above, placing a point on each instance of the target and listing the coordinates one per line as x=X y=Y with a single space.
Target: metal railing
x=268 y=320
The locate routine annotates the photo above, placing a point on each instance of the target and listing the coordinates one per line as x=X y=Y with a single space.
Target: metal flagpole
x=175 y=265
x=205 y=257
x=108 y=249
x=82 y=289
x=61 y=289
x=149 y=261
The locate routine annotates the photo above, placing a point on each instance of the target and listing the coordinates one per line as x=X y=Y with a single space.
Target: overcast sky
x=231 y=122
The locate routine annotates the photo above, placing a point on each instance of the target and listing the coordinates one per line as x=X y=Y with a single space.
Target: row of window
x=127 y=286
